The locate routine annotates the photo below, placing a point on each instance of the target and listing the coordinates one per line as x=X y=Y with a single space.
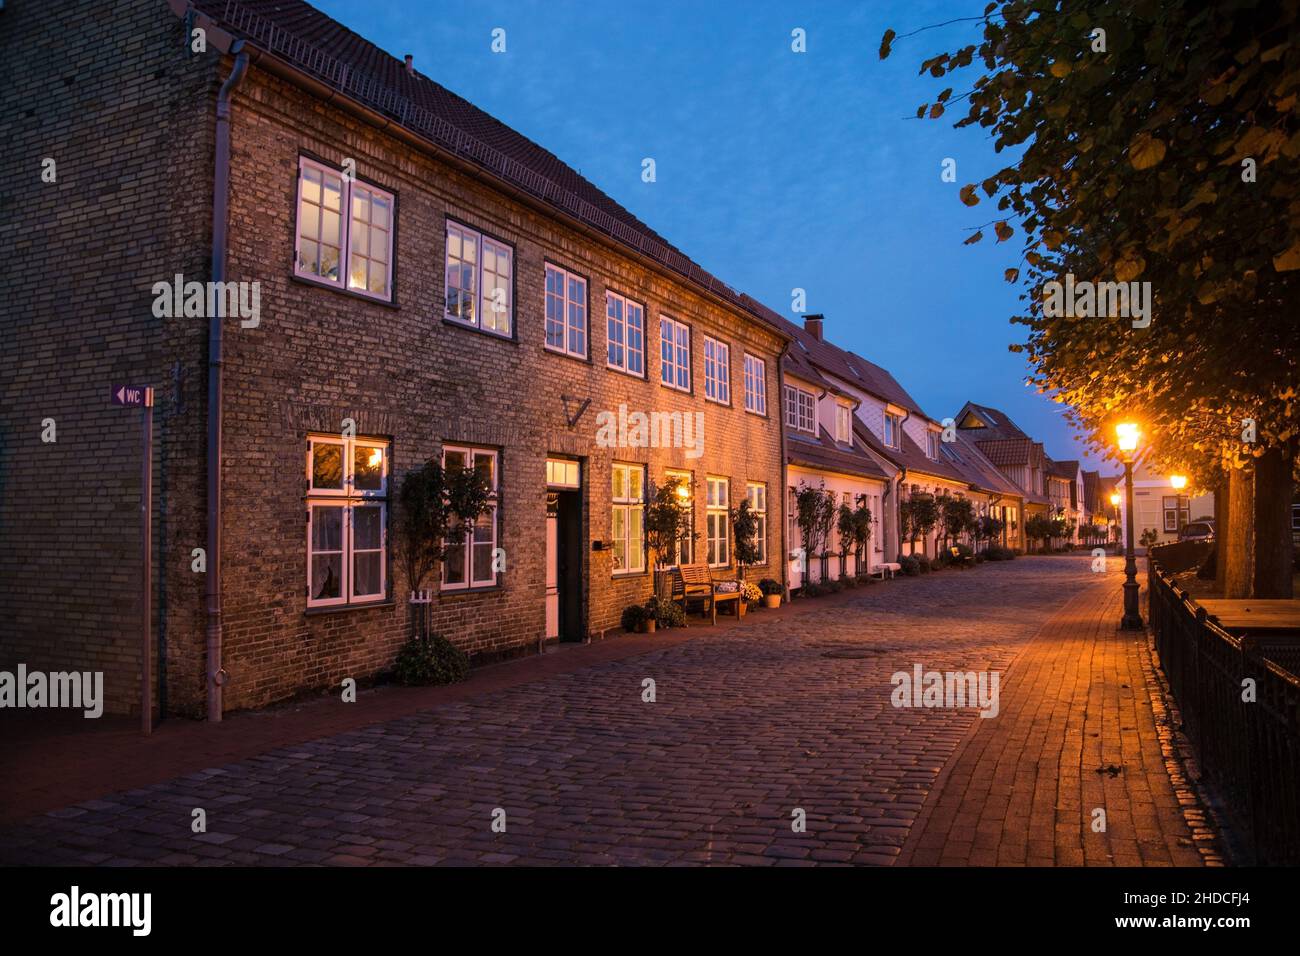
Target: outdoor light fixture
x=1114 y=499
x=1179 y=482
x=1128 y=435
x=683 y=492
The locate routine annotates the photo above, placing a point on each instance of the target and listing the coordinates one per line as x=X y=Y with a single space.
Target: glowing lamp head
x=1114 y=499
x=1178 y=482
x=682 y=491
x=1128 y=434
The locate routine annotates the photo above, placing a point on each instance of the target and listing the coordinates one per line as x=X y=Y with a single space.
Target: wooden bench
x=888 y=567
x=694 y=582
x=965 y=561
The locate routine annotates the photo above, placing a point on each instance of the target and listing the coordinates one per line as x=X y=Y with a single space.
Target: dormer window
x=843 y=423
x=892 y=430
x=932 y=445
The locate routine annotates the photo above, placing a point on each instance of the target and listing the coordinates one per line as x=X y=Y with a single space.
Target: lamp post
x=1114 y=503
x=1128 y=435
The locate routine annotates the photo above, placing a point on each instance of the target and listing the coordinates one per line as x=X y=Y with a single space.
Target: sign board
x=132 y=395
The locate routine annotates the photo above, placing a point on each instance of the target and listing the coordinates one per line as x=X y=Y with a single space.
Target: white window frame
x=756 y=492
x=347 y=186
x=622 y=322
x=755 y=384
x=800 y=409
x=717 y=511
x=567 y=304
x=472 y=453
x=484 y=246
x=932 y=444
x=628 y=505
x=717 y=371
x=347 y=498
x=843 y=423
x=890 y=431
x=675 y=367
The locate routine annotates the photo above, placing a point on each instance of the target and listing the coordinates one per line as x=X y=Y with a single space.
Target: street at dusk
x=454 y=453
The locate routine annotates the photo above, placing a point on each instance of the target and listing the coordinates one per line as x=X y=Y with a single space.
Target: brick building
x=432 y=284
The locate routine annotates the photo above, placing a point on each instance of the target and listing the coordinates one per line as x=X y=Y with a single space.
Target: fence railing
x=1247 y=736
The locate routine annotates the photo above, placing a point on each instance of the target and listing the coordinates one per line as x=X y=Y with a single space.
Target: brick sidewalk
x=1077 y=732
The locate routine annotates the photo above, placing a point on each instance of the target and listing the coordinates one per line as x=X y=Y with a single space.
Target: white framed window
x=800 y=410
x=1177 y=511
x=674 y=354
x=717 y=522
x=469 y=560
x=566 y=312
x=347 y=520
x=843 y=423
x=625 y=327
x=757 y=493
x=480 y=283
x=684 y=550
x=893 y=425
x=755 y=385
x=336 y=213
x=563 y=473
x=717 y=371
x=932 y=445
x=627 y=519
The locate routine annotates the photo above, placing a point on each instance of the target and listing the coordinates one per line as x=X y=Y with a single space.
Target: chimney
x=410 y=64
x=812 y=324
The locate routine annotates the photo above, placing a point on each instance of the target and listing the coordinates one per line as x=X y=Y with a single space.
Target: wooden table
x=1257 y=616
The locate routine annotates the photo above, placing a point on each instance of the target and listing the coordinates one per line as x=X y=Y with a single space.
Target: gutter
x=216 y=677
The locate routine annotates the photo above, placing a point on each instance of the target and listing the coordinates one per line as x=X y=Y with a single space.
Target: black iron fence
x=1241 y=711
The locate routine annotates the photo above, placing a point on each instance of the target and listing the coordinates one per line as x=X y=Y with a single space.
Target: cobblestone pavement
x=747 y=727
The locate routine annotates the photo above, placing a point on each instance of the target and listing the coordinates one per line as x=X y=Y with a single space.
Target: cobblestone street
x=749 y=725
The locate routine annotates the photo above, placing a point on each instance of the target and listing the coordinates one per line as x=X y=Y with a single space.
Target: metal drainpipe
x=220 y=209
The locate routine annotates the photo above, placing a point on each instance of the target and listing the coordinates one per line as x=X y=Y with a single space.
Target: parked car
x=1197 y=531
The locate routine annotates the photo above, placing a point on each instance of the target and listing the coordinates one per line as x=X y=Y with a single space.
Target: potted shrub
x=634 y=618
x=664 y=613
x=750 y=593
x=772 y=590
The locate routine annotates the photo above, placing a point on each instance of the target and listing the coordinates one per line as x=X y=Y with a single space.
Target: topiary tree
x=667 y=524
x=844 y=527
x=744 y=533
x=861 y=531
x=923 y=515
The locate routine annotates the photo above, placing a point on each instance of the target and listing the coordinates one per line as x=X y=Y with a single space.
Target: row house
x=1015 y=454
x=432 y=286
x=822 y=401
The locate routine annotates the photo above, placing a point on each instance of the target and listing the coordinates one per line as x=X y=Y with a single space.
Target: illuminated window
x=347 y=520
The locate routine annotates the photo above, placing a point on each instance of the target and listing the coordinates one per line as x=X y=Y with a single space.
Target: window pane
x=326 y=576
x=367 y=527
x=453 y=568
x=327 y=528
x=366 y=577
x=634 y=483
x=311 y=185
x=368 y=468
x=327 y=466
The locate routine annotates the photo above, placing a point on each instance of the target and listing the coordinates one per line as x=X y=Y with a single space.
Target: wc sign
x=135 y=396
x=141 y=397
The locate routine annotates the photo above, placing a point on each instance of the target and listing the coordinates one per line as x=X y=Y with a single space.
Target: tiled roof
x=967 y=457
x=1005 y=451
x=844 y=365
x=1065 y=469
x=825 y=453
x=312 y=43
x=996 y=425
x=910 y=456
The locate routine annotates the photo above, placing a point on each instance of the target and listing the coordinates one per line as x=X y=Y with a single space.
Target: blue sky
x=775 y=170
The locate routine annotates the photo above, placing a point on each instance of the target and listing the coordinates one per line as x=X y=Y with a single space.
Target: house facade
x=433 y=286
x=1158 y=506
x=824 y=452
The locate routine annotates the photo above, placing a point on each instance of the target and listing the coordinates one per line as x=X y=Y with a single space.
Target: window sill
x=341 y=608
x=479 y=330
x=477 y=589
x=762 y=415
x=622 y=371
x=621 y=575
x=584 y=359
x=341 y=290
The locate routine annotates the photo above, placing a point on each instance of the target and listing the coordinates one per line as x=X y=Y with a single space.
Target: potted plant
x=635 y=618
x=750 y=593
x=771 y=589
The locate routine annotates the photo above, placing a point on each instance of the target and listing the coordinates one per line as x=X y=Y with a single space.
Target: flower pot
x=649 y=626
x=771 y=600
x=741 y=607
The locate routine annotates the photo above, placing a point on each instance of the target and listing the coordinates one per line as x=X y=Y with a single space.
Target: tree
x=815 y=516
x=844 y=526
x=923 y=515
x=667 y=523
x=1156 y=144
x=990 y=528
x=1039 y=528
x=957 y=516
x=437 y=511
x=861 y=532
x=744 y=531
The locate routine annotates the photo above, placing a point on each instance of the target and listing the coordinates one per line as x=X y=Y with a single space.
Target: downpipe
x=216 y=676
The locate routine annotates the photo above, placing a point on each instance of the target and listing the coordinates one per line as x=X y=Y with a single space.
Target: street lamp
x=1178 y=482
x=1128 y=435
